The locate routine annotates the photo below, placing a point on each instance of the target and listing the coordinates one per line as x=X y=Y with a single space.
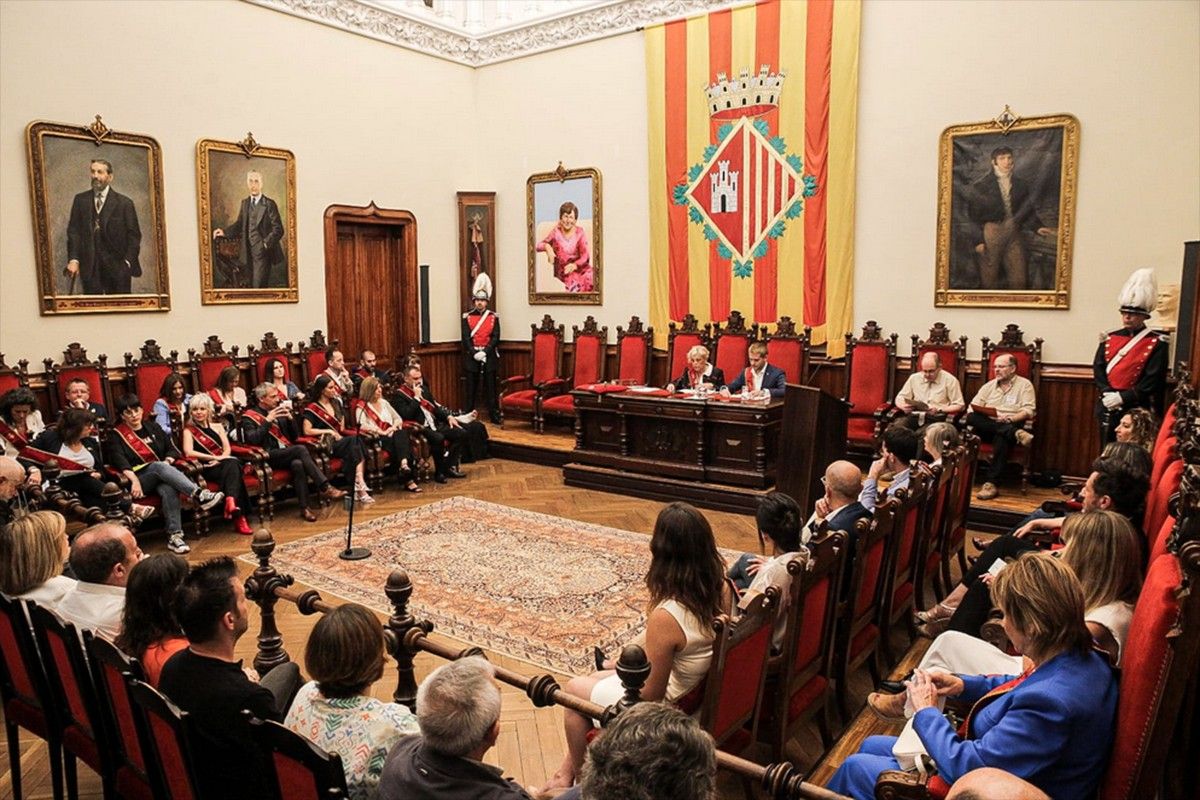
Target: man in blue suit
x=760 y=378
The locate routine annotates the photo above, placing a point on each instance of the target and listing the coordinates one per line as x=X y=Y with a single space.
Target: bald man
x=12 y=478
x=931 y=390
x=839 y=505
x=101 y=558
x=989 y=783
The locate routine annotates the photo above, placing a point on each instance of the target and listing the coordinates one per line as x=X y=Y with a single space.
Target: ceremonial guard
x=481 y=354
x=1130 y=367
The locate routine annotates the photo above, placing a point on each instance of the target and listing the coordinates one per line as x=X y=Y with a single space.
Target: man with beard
x=103 y=236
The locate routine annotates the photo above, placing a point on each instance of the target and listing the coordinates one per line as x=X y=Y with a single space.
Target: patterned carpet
x=536 y=587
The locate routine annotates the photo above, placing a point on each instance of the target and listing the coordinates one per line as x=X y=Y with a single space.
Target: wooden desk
x=728 y=442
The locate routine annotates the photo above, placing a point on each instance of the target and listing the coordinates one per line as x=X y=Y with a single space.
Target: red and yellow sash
x=44 y=457
x=425 y=404
x=18 y=439
x=134 y=442
x=331 y=422
x=205 y=442
x=336 y=379
x=695 y=379
x=376 y=420
x=274 y=430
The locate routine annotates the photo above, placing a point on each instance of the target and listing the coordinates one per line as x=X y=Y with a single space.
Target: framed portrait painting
x=247 y=199
x=477 y=246
x=99 y=228
x=1006 y=212
x=565 y=236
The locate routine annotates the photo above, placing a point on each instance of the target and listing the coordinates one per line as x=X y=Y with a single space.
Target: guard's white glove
x=481 y=356
x=1111 y=400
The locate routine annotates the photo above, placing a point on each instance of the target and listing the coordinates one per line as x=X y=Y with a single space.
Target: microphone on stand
x=351 y=553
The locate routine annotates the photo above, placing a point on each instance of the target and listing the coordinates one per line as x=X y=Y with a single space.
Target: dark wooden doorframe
x=404 y=225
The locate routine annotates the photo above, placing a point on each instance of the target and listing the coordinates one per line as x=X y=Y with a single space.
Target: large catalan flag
x=752 y=117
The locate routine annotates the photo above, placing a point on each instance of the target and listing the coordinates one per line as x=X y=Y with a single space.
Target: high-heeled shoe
x=939 y=612
x=242 y=525
x=362 y=495
x=230 y=507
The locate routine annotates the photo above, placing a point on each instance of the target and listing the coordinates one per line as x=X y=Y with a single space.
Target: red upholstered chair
x=111 y=671
x=731 y=344
x=520 y=394
x=635 y=346
x=1029 y=365
x=939 y=502
x=733 y=688
x=800 y=681
x=25 y=695
x=952 y=354
x=12 y=377
x=145 y=374
x=870 y=369
x=75 y=364
x=312 y=357
x=788 y=350
x=208 y=362
x=680 y=339
x=1159 y=497
x=296 y=768
x=164 y=732
x=954 y=534
x=267 y=349
x=590 y=344
x=911 y=541
x=858 y=616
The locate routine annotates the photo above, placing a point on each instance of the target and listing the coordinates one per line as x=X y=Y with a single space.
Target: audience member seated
x=458 y=710
x=897 y=451
x=367 y=368
x=335 y=370
x=930 y=392
x=228 y=396
x=102 y=557
x=275 y=373
x=1051 y=725
x=987 y=783
x=33 y=549
x=760 y=380
x=207 y=680
x=20 y=421
x=149 y=631
x=72 y=446
x=1102 y=550
x=344 y=657
x=840 y=508
x=325 y=416
x=938 y=438
x=206 y=442
x=687 y=587
x=13 y=478
x=377 y=418
x=145 y=455
x=778 y=520
x=698 y=372
x=1138 y=426
x=1109 y=487
x=416 y=403
x=270 y=425
x=652 y=751
x=79 y=395
x=1008 y=401
x=172 y=401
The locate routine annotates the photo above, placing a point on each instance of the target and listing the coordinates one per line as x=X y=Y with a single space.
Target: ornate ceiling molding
x=399 y=27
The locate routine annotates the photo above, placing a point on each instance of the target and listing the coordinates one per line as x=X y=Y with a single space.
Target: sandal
x=939 y=612
x=411 y=486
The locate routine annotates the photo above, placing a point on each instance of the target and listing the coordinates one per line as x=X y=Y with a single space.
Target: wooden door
x=371 y=297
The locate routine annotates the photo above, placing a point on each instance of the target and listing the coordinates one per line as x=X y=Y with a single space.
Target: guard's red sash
x=44 y=458
x=481 y=329
x=18 y=440
x=1124 y=375
x=425 y=404
x=964 y=730
x=274 y=430
x=134 y=442
x=205 y=442
x=375 y=419
x=331 y=422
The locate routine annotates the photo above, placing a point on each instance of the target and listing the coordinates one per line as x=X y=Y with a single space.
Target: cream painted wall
x=366 y=122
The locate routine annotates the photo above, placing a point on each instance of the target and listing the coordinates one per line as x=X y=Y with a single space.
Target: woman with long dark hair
x=325 y=416
x=172 y=402
x=149 y=630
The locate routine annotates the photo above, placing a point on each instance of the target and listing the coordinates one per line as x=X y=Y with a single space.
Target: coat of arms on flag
x=747 y=185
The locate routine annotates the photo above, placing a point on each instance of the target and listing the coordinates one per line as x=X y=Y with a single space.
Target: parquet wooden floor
x=531 y=742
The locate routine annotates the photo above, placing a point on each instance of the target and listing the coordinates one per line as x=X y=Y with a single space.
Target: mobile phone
x=997 y=567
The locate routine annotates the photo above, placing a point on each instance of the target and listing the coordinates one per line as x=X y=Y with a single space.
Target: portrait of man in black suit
x=104 y=239
x=260 y=233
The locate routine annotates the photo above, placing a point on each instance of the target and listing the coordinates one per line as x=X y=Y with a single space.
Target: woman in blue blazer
x=1052 y=725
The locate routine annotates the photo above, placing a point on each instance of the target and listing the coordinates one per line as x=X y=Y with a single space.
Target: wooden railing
x=53 y=497
x=406 y=637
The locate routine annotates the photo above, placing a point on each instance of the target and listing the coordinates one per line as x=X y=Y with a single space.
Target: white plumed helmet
x=1139 y=295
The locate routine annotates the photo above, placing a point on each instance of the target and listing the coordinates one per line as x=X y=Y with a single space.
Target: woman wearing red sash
x=73 y=447
x=172 y=402
x=699 y=370
x=228 y=397
x=20 y=421
x=376 y=417
x=275 y=373
x=324 y=417
x=205 y=441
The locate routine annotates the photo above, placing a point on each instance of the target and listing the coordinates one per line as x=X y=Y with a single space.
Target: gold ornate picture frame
x=1006 y=212
x=558 y=272
x=477 y=245
x=247 y=199
x=99 y=226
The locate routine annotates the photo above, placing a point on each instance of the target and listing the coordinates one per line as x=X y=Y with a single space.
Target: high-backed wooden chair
x=164 y=733
x=25 y=695
x=939 y=502
x=789 y=350
x=681 y=338
x=954 y=534
x=269 y=348
x=590 y=343
x=76 y=365
x=870 y=385
x=208 y=361
x=900 y=575
x=13 y=377
x=1029 y=365
x=296 y=768
x=312 y=357
x=111 y=671
x=520 y=394
x=635 y=346
x=145 y=374
x=800 y=683
x=953 y=354
x=731 y=343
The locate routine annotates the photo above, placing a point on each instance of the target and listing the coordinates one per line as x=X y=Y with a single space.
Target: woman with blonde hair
x=378 y=419
x=698 y=372
x=205 y=441
x=33 y=549
x=940 y=437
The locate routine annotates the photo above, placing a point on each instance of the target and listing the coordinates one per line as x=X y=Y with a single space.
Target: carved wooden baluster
x=113 y=499
x=398 y=590
x=633 y=668
x=260 y=589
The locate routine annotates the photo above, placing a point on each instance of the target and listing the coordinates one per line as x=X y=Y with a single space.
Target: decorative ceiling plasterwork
x=397 y=27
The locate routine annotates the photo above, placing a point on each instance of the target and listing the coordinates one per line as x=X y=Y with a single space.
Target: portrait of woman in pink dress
x=567 y=251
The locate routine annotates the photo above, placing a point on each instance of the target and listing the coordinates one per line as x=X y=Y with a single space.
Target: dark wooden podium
x=813 y=434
